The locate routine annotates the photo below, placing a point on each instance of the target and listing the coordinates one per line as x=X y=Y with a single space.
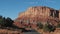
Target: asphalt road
x=31 y=32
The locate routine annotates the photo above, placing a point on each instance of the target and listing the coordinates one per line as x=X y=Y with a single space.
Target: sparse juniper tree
x=48 y=27
x=2 y=23
x=40 y=25
x=9 y=22
x=5 y=21
x=0 y=17
x=58 y=25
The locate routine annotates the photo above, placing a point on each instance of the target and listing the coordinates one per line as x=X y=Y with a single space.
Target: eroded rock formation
x=37 y=14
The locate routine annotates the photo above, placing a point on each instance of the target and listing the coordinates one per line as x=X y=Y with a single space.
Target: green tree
x=58 y=25
x=0 y=17
x=48 y=27
x=9 y=22
x=2 y=21
x=6 y=22
x=40 y=25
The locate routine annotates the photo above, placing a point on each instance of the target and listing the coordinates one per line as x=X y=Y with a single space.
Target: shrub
x=58 y=25
x=48 y=27
x=40 y=25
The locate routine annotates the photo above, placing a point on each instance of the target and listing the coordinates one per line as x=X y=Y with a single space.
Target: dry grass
x=6 y=31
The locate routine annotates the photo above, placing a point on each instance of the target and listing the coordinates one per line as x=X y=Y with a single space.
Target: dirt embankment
x=6 y=31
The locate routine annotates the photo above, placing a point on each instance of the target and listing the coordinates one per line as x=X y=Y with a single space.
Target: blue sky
x=11 y=8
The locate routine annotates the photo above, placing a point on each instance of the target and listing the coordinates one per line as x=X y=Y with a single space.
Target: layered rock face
x=36 y=11
x=35 y=14
x=39 y=13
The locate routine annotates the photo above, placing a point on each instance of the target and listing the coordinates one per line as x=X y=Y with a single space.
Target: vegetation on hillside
x=46 y=27
x=58 y=25
x=6 y=22
x=40 y=25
